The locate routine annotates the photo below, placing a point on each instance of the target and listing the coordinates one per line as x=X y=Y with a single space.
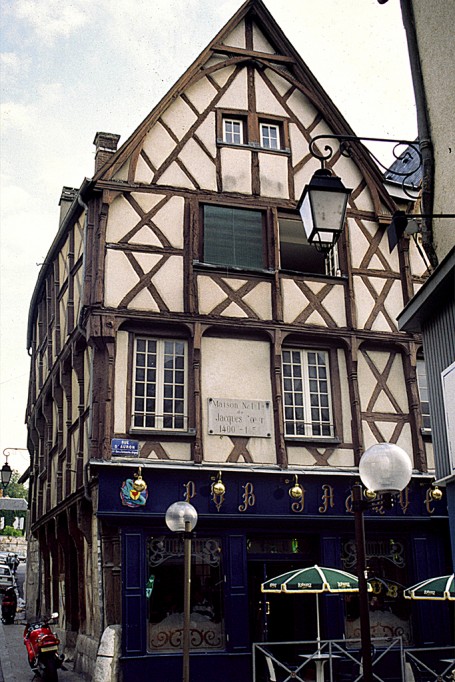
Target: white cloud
x=53 y=18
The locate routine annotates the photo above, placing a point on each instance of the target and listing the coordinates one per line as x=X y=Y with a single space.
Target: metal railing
x=341 y=661
x=331 y=660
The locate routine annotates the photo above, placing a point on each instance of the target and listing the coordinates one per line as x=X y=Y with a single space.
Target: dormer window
x=233 y=131
x=270 y=135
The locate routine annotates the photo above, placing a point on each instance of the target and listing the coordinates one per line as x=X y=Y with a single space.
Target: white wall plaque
x=231 y=417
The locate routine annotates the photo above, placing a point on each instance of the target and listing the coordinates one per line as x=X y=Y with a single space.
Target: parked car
x=6 y=577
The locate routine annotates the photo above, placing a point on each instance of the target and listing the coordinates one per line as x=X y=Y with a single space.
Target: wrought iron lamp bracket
x=346 y=145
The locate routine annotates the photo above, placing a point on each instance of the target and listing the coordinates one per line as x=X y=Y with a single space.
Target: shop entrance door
x=278 y=617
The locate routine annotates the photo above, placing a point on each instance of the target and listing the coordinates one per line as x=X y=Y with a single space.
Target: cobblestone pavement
x=14 y=666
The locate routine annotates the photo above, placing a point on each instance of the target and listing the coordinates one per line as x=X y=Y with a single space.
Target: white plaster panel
x=121 y=219
x=145 y=236
x=78 y=239
x=342 y=458
x=120 y=382
x=299 y=144
x=236 y=96
x=171 y=272
x=395 y=382
x=304 y=175
x=147 y=200
x=429 y=452
x=299 y=456
x=222 y=75
x=236 y=170
x=206 y=133
x=260 y=42
x=143 y=173
x=122 y=173
x=201 y=94
x=209 y=294
x=273 y=173
x=301 y=106
x=266 y=102
x=176 y=452
x=335 y=305
x=179 y=117
x=201 y=167
x=351 y=176
x=236 y=37
x=281 y=84
x=169 y=219
x=358 y=242
x=363 y=301
x=119 y=277
x=235 y=368
x=175 y=177
x=260 y=300
x=234 y=310
x=386 y=430
x=158 y=144
x=144 y=301
x=293 y=300
x=234 y=283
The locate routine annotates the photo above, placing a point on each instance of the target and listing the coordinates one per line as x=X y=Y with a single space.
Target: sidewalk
x=14 y=665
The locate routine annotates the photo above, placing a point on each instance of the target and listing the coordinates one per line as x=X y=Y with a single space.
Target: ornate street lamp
x=323 y=209
x=385 y=470
x=6 y=473
x=181 y=517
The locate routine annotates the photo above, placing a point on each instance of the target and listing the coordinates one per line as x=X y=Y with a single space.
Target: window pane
x=165 y=570
x=160 y=383
x=306 y=392
x=232 y=131
x=233 y=236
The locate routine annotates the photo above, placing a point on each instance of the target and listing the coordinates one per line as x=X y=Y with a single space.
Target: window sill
x=234 y=269
x=174 y=433
x=254 y=146
x=312 y=439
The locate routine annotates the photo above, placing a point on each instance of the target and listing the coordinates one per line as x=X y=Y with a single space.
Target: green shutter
x=233 y=236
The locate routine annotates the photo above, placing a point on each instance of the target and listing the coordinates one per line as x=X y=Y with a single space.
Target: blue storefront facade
x=255 y=531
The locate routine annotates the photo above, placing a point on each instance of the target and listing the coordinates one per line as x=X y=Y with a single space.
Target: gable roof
x=301 y=77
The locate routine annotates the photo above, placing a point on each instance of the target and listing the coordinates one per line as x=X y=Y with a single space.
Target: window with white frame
x=422 y=384
x=306 y=393
x=270 y=135
x=159 y=385
x=232 y=131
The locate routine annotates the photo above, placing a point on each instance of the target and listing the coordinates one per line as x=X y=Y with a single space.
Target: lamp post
x=181 y=517
x=385 y=470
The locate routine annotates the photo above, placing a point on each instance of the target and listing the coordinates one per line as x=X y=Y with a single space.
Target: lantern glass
x=6 y=472
x=385 y=468
x=180 y=513
x=323 y=208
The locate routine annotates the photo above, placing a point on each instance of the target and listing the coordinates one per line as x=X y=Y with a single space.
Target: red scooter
x=9 y=605
x=42 y=648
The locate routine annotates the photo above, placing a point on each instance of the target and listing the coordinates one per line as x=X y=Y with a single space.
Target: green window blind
x=233 y=236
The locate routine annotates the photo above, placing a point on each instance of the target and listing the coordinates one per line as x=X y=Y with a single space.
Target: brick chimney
x=106 y=146
x=66 y=199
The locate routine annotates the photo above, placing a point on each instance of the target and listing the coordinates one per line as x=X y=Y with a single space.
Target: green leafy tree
x=17 y=490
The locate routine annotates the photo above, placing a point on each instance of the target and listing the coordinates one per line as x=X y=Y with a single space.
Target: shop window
x=270 y=135
x=390 y=612
x=297 y=255
x=165 y=594
x=159 y=385
x=422 y=384
x=233 y=237
x=306 y=393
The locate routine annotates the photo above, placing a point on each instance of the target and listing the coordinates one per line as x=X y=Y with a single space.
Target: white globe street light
x=384 y=469
x=181 y=517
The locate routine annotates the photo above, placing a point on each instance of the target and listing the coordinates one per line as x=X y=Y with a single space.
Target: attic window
x=233 y=129
x=270 y=135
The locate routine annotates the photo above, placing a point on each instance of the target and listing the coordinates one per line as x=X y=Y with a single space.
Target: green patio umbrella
x=312 y=580
x=440 y=588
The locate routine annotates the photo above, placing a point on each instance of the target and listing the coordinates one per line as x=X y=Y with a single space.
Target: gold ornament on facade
x=139 y=484
x=436 y=493
x=296 y=492
x=218 y=492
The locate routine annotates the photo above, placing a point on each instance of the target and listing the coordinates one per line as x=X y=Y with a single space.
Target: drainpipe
x=423 y=128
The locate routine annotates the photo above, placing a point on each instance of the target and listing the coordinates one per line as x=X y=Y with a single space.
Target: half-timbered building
x=183 y=333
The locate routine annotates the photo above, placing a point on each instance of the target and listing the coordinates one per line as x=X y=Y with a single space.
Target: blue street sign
x=127 y=448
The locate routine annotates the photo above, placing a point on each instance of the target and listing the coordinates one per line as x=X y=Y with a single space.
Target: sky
x=72 y=68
